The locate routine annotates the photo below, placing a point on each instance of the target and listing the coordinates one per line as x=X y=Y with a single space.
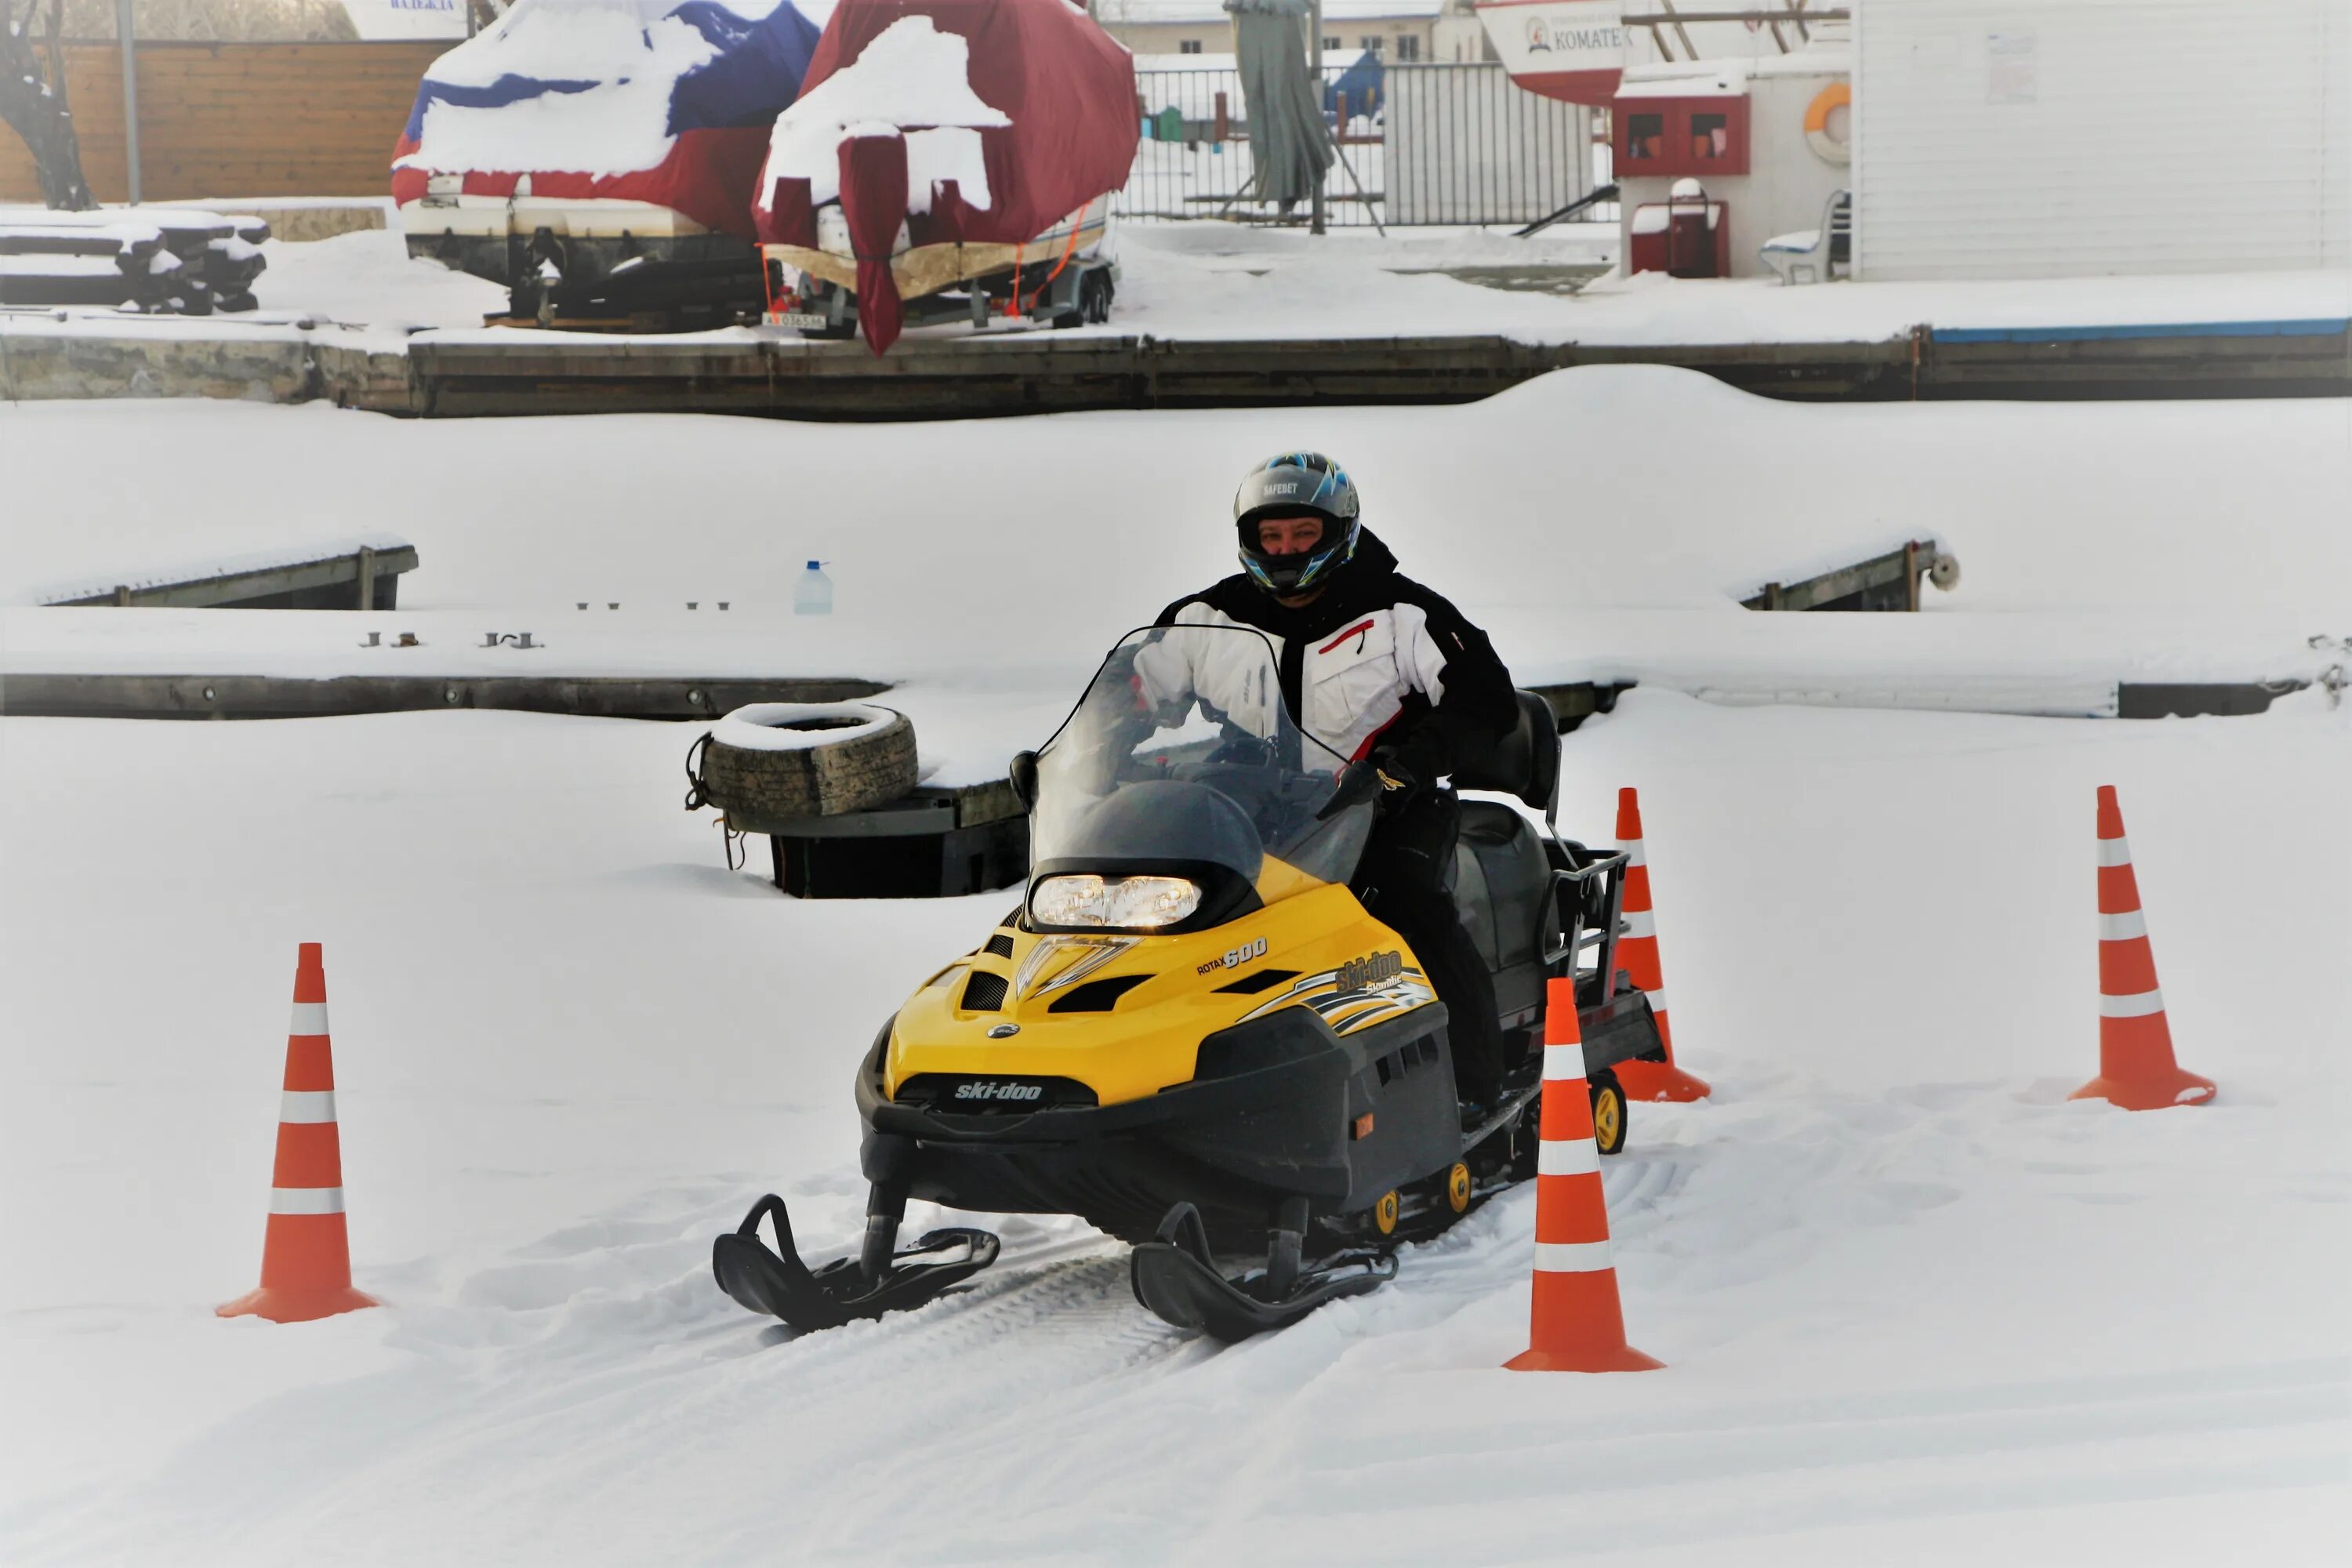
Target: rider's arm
x=1449 y=661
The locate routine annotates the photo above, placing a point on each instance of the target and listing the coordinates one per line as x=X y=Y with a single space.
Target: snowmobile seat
x=1526 y=762
x=1502 y=874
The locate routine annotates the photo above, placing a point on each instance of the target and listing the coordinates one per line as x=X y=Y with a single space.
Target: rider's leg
x=1407 y=871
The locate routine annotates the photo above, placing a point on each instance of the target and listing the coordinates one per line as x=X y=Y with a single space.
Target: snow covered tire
x=786 y=761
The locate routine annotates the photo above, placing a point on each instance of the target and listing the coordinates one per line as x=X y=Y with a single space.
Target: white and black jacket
x=1377 y=660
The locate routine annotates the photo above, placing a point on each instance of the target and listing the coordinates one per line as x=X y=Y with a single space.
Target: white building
x=1765 y=137
x=2074 y=138
x=1396 y=30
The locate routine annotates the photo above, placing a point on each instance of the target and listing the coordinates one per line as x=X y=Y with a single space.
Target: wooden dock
x=1041 y=373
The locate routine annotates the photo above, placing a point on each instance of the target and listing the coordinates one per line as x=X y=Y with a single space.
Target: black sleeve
x=1479 y=708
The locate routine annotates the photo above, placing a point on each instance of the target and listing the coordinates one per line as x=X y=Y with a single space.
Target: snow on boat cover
x=664 y=102
x=943 y=125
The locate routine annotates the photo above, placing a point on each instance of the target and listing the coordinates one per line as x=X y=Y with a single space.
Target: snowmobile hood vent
x=1097 y=995
x=984 y=993
x=1000 y=944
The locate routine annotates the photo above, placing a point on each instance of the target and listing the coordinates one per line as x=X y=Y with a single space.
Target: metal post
x=1315 y=58
x=125 y=33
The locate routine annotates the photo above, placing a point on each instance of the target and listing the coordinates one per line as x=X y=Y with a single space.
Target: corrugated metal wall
x=2068 y=138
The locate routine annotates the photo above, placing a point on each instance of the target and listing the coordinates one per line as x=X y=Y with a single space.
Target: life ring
x=1828 y=149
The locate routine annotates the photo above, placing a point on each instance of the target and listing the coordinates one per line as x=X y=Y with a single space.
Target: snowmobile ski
x=778 y=1283
x=1175 y=1277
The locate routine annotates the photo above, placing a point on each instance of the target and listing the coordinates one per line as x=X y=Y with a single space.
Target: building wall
x=2074 y=138
x=1216 y=37
x=227 y=121
x=1787 y=185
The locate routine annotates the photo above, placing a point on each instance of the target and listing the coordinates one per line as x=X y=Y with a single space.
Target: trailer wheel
x=1093 y=295
x=1607 y=1115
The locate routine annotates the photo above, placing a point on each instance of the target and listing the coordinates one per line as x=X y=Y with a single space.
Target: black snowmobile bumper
x=1279 y=1108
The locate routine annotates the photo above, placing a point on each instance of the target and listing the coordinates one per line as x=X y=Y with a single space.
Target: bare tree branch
x=32 y=105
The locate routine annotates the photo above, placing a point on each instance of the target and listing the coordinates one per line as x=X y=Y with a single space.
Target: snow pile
x=911 y=81
x=368 y=278
x=596 y=127
x=799 y=726
x=581 y=86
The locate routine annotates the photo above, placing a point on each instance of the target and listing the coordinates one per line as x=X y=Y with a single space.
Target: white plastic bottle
x=812 y=594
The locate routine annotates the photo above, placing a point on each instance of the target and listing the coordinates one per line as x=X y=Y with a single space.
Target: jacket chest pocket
x=1352 y=679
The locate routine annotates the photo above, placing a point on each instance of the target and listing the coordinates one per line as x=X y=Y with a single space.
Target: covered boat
x=598 y=156
x=958 y=152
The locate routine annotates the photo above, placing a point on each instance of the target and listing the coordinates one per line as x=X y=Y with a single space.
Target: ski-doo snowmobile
x=1194 y=1035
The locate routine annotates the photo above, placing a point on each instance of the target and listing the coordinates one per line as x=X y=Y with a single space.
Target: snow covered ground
x=1214 y=280
x=2169 y=541
x=1916 y=1306
x=1629 y=487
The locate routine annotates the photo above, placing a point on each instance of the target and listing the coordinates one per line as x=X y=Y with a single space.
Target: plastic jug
x=812 y=594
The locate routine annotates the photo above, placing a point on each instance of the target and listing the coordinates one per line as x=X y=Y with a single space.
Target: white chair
x=1815 y=254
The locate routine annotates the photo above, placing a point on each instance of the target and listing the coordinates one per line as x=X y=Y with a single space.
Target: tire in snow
x=787 y=761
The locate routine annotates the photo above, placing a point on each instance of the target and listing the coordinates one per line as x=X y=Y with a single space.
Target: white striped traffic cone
x=1576 y=1323
x=1637 y=950
x=2136 y=1069
x=306 y=1256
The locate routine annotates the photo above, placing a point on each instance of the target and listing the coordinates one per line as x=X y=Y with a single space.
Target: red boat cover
x=1068 y=90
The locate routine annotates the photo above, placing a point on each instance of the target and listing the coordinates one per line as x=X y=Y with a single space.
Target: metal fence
x=1418 y=145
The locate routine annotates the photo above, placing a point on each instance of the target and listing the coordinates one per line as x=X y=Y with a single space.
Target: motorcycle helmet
x=1286 y=485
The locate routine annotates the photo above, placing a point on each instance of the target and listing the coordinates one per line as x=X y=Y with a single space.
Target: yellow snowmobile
x=1193 y=1035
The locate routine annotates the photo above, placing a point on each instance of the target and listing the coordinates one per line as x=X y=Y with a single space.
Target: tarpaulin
x=1066 y=88
x=874 y=200
x=671 y=100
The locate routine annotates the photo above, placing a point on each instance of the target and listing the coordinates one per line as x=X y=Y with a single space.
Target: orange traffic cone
x=1637 y=950
x=2136 y=1069
x=1577 y=1323
x=306 y=1256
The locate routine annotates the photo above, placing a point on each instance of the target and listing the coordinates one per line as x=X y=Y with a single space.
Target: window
x=1646 y=137
x=1189 y=47
x=1373 y=42
x=1408 y=48
x=1330 y=44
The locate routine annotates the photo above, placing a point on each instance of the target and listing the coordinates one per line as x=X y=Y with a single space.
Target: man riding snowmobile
x=1390 y=676
x=1256 y=934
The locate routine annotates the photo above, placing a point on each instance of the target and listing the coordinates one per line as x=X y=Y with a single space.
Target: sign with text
x=1570 y=49
x=407 y=18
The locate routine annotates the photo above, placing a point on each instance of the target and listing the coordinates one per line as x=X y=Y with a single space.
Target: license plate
x=796 y=319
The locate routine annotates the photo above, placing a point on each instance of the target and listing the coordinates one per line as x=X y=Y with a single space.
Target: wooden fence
x=232 y=121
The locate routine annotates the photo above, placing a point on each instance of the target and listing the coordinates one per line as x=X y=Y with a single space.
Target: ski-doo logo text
x=1373 y=968
x=1000 y=1092
x=1235 y=958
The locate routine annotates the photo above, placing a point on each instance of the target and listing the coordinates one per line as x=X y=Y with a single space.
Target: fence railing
x=1418 y=145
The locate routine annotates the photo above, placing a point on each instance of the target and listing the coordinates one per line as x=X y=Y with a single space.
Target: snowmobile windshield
x=1180 y=765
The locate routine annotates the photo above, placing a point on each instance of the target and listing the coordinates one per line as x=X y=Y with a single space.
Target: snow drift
x=664 y=102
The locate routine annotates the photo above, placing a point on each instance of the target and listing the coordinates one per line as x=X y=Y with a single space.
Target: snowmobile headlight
x=1129 y=903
